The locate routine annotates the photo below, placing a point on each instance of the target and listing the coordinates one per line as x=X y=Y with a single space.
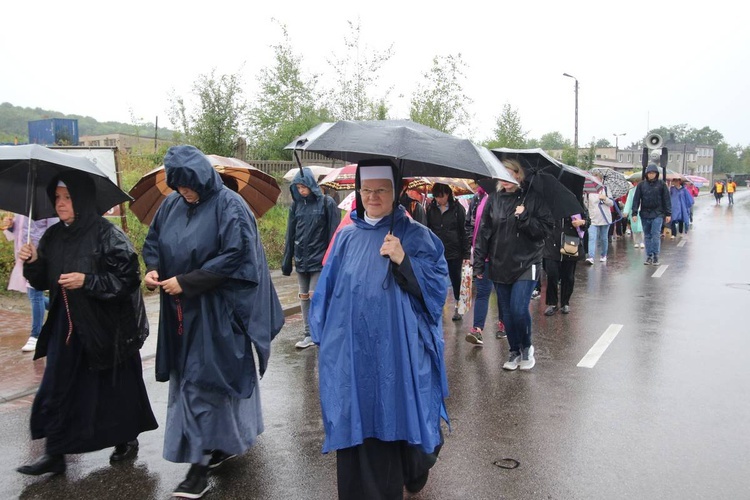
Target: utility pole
x=575 y=139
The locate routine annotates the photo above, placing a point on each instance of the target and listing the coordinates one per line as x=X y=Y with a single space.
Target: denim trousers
x=652 y=235
x=482 y=300
x=39 y=304
x=306 y=282
x=600 y=234
x=514 y=302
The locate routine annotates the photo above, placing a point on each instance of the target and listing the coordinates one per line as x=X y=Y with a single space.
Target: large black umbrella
x=535 y=160
x=418 y=150
x=560 y=186
x=25 y=172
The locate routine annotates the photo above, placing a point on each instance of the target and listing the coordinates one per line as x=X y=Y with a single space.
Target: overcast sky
x=639 y=64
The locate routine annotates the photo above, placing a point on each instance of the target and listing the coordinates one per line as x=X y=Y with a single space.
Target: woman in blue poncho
x=377 y=318
x=217 y=303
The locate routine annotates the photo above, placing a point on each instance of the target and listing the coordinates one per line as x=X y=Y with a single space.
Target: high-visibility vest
x=731 y=187
x=719 y=187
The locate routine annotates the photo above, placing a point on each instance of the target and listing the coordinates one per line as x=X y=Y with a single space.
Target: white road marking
x=681 y=244
x=596 y=351
x=662 y=269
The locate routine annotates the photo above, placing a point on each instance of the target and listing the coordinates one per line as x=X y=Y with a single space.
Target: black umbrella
x=25 y=172
x=535 y=159
x=561 y=187
x=418 y=150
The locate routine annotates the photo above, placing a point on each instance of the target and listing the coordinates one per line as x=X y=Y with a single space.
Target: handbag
x=569 y=245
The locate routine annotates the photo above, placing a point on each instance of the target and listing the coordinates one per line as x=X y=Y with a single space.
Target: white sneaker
x=603 y=259
x=513 y=360
x=527 y=358
x=636 y=246
x=304 y=343
x=30 y=345
x=643 y=245
x=590 y=261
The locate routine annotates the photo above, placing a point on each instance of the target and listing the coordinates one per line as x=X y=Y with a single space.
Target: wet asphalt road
x=662 y=413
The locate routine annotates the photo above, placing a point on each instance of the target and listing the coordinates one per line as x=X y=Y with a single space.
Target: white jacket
x=599 y=210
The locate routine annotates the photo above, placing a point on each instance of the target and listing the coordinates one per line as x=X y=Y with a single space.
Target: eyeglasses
x=365 y=192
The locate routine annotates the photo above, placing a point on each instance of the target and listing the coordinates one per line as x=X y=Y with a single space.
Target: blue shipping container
x=54 y=131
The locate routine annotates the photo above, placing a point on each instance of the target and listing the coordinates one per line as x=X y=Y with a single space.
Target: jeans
x=482 y=301
x=514 y=302
x=39 y=303
x=652 y=235
x=307 y=282
x=598 y=233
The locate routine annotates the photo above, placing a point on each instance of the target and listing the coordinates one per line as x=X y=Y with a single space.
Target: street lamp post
x=617 y=136
x=575 y=140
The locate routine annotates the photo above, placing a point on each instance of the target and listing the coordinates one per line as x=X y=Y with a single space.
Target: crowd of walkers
x=372 y=289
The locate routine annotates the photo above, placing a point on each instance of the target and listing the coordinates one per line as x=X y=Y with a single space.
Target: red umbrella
x=341 y=178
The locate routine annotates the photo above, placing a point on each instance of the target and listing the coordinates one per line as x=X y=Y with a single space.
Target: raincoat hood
x=306 y=178
x=653 y=168
x=187 y=166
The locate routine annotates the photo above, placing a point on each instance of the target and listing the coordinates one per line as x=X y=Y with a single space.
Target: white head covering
x=61 y=184
x=376 y=172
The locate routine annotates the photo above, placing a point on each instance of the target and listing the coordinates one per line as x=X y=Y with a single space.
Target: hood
x=652 y=168
x=357 y=182
x=306 y=178
x=187 y=166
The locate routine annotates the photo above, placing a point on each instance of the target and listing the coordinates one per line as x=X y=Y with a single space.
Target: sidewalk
x=20 y=376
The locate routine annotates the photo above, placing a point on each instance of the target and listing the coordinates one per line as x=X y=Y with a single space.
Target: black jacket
x=312 y=222
x=651 y=199
x=552 y=244
x=513 y=243
x=108 y=313
x=449 y=226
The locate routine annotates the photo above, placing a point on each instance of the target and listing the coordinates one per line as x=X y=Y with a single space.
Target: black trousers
x=454 y=272
x=378 y=470
x=563 y=271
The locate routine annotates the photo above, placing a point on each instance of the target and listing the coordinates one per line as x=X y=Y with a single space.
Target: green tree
x=285 y=106
x=439 y=102
x=357 y=75
x=553 y=140
x=215 y=124
x=508 y=130
x=570 y=155
x=603 y=143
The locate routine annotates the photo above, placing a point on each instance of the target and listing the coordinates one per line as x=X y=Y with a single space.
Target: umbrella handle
x=32 y=183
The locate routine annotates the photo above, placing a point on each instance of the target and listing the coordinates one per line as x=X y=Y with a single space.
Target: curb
x=288 y=311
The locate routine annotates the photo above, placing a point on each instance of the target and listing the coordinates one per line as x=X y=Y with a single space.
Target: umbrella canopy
x=418 y=150
x=536 y=159
x=459 y=186
x=340 y=179
x=671 y=174
x=256 y=187
x=25 y=172
x=318 y=171
x=698 y=180
x=616 y=183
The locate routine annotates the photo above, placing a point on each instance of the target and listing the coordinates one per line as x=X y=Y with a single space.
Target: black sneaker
x=474 y=336
x=195 y=484
x=124 y=451
x=218 y=457
x=649 y=260
x=655 y=260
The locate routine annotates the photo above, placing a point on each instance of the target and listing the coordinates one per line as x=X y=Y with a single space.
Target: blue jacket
x=312 y=222
x=381 y=369
x=206 y=335
x=681 y=200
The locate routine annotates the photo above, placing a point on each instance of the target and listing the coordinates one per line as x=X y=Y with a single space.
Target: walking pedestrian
x=92 y=394
x=378 y=323
x=484 y=289
x=651 y=200
x=731 y=188
x=682 y=202
x=718 y=191
x=561 y=267
x=599 y=207
x=636 y=228
x=17 y=230
x=446 y=217
x=312 y=222
x=514 y=225
x=217 y=303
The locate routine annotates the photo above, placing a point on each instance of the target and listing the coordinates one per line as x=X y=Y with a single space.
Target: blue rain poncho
x=381 y=368
x=217 y=236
